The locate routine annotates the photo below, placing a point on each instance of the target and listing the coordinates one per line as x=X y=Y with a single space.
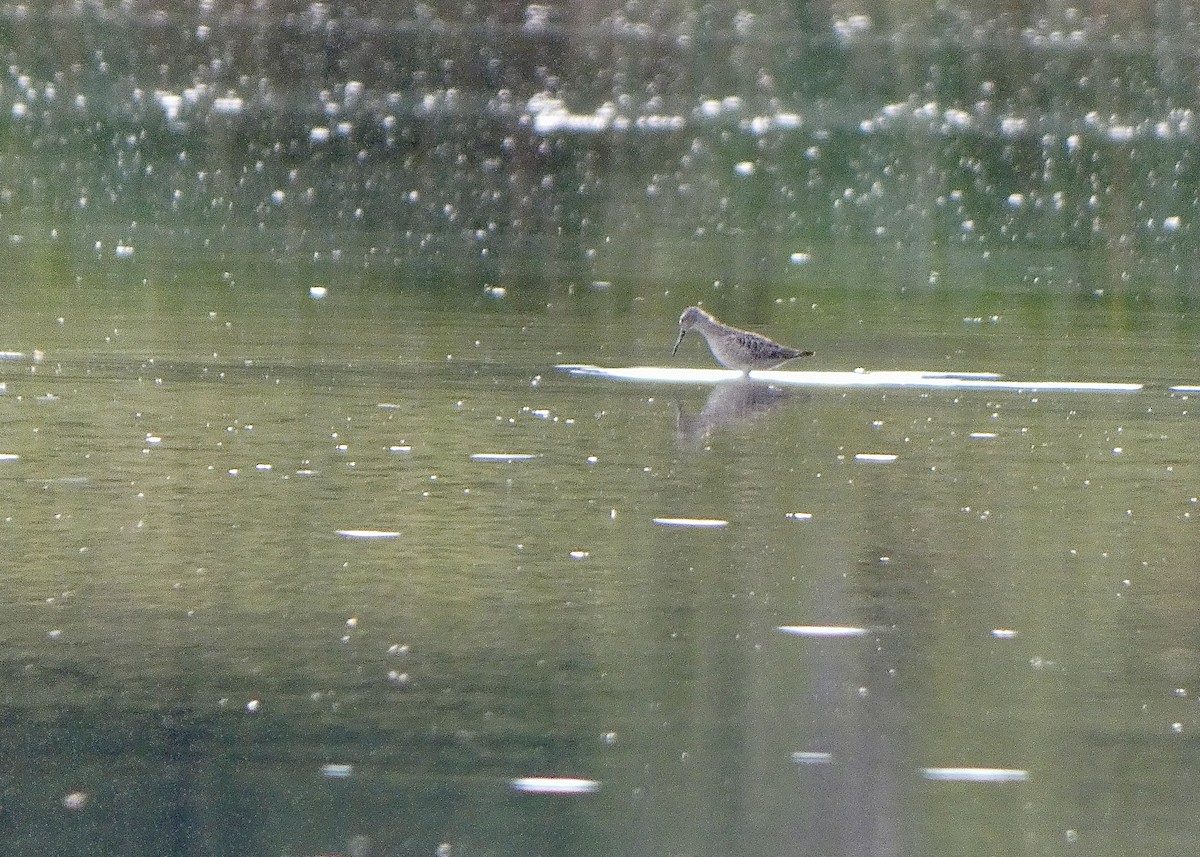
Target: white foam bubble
x=228 y=105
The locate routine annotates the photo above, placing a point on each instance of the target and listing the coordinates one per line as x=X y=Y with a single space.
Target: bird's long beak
x=677 y=341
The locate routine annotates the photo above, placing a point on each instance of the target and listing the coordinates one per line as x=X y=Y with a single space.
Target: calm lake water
x=311 y=546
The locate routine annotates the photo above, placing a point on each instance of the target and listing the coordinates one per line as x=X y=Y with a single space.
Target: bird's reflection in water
x=729 y=405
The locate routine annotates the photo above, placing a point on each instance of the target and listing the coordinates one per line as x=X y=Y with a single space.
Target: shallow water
x=310 y=545
x=267 y=591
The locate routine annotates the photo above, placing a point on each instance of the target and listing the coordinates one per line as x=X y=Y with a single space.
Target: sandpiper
x=737 y=349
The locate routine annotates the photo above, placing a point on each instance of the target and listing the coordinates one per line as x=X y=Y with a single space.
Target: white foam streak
x=555 y=785
x=673 y=375
x=502 y=456
x=976 y=775
x=822 y=630
x=888 y=378
x=811 y=757
x=368 y=534
x=701 y=523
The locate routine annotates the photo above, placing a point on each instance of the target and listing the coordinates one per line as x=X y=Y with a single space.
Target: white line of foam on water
x=502 y=456
x=822 y=630
x=368 y=534
x=858 y=378
x=976 y=775
x=555 y=785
